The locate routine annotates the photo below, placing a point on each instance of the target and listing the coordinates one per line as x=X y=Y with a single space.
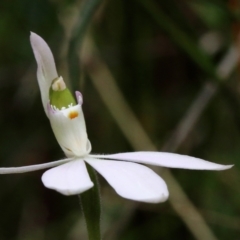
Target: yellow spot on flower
x=73 y=114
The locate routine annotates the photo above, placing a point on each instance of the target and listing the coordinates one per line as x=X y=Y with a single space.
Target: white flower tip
x=44 y=58
x=158 y=199
x=32 y=34
x=64 y=189
x=225 y=167
x=35 y=39
x=148 y=197
x=164 y=197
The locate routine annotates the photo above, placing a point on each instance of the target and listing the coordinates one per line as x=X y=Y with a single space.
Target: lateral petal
x=164 y=159
x=132 y=180
x=69 y=179
x=46 y=71
x=12 y=170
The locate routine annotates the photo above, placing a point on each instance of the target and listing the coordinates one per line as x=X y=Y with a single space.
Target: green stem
x=85 y=17
x=90 y=201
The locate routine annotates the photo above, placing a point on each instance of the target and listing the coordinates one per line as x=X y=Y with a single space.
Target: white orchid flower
x=122 y=171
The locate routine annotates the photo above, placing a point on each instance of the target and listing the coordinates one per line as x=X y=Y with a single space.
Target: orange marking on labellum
x=73 y=114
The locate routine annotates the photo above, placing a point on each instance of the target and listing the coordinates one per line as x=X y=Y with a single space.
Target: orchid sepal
x=165 y=159
x=46 y=71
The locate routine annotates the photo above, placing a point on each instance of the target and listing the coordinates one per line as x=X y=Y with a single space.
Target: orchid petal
x=132 y=180
x=32 y=168
x=164 y=159
x=46 y=71
x=69 y=129
x=69 y=179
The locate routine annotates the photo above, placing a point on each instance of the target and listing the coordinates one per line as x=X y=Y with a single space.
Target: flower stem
x=90 y=201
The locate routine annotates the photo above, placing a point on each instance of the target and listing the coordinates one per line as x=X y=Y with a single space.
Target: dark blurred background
x=164 y=58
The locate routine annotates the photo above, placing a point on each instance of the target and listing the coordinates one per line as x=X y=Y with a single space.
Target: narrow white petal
x=69 y=179
x=69 y=128
x=132 y=180
x=32 y=168
x=46 y=71
x=164 y=159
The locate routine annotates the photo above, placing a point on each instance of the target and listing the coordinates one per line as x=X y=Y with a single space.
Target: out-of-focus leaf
x=211 y=13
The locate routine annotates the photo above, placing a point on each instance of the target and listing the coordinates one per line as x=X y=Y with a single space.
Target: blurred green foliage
x=152 y=49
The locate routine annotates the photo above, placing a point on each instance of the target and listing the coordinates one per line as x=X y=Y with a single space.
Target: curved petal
x=164 y=159
x=132 y=180
x=11 y=170
x=69 y=179
x=46 y=71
